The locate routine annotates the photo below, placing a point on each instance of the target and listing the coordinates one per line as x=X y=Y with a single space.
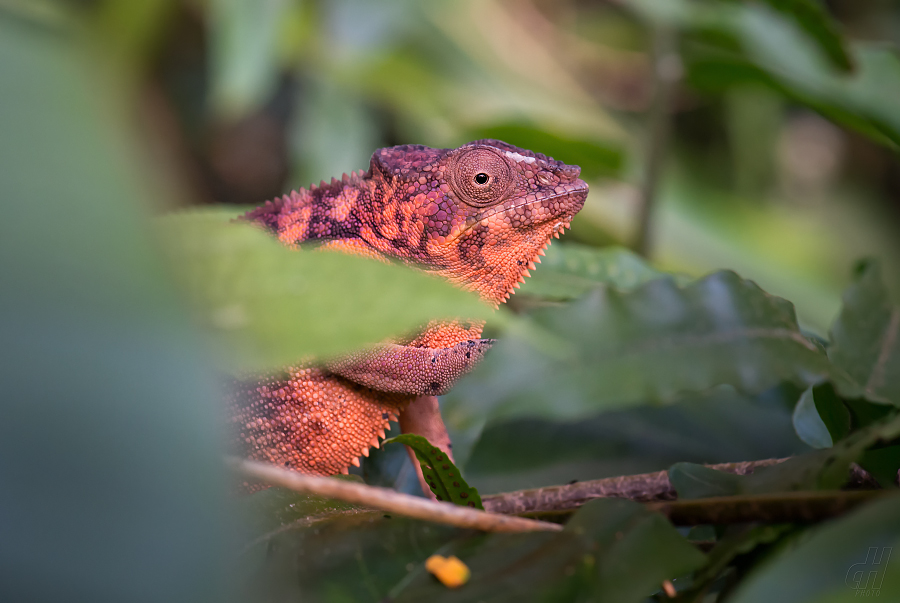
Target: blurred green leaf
x=111 y=473
x=815 y=21
x=730 y=43
x=596 y=158
x=570 y=270
x=651 y=344
x=866 y=336
x=243 y=51
x=272 y=305
x=351 y=555
x=842 y=560
x=615 y=550
x=441 y=474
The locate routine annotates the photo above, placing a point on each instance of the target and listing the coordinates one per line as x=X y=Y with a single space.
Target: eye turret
x=480 y=176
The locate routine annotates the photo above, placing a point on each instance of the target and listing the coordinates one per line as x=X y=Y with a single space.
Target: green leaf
x=635 y=550
x=569 y=271
x=441 y=474
x=735 y=542
x=651 y=344
x=270 y=306
x=866 y=336
x=821 y=417
x=696 y=481
x=837 y=562
x=714 y=427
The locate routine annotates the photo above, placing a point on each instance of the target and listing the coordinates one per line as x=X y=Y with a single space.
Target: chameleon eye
x=480 y=176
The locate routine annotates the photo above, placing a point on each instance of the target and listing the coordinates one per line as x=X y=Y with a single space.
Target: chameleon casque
x=479 y=215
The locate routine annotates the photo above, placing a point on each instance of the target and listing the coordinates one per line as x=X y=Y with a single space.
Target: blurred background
x=764 y=140
x=760 y=136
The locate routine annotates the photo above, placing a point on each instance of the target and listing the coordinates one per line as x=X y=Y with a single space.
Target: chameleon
x=479 y=216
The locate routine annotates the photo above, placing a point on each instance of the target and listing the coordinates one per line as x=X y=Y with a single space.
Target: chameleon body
x=479 y=215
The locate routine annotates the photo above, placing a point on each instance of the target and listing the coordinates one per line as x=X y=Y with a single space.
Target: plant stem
x=667 y=70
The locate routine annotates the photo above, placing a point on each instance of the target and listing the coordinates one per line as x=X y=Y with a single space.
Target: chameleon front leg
x=423 y=417
x=425 y=372
x=404 y=369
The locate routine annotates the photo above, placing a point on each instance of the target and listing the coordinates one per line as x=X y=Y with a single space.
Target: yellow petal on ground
x=452 y=572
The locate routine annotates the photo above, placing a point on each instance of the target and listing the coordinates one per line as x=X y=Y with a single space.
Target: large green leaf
x=843 y=560
x=715 y=427
x=271 y=305
x=651 y=344
x=111 y=474
x=866 y=336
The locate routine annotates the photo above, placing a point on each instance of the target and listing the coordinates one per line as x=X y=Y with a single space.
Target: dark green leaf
x=614 y=549
x=714 y=427
x=651 y=344
x=842 y=560
x=634 y=549
x=696 y=481
x=441 y=474
x=866 y=336
x=273 y=305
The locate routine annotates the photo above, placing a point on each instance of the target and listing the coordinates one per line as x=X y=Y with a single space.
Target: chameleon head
x=480 y=214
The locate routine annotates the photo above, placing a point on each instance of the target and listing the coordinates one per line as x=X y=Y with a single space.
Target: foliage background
x=778 y=147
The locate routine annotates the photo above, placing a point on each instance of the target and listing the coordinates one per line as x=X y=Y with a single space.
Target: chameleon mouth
x=574 y=197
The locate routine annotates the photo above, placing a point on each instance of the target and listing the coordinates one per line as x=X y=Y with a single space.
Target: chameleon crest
x=479 y=215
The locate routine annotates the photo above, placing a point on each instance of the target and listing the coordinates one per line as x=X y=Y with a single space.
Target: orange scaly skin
x=479 y=216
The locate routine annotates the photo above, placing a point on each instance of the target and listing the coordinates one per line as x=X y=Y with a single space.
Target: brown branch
x=647 y=487
x=387 y=500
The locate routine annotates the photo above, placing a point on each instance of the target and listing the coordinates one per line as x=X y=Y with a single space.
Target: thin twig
x=387 y=500
x=667 y=71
